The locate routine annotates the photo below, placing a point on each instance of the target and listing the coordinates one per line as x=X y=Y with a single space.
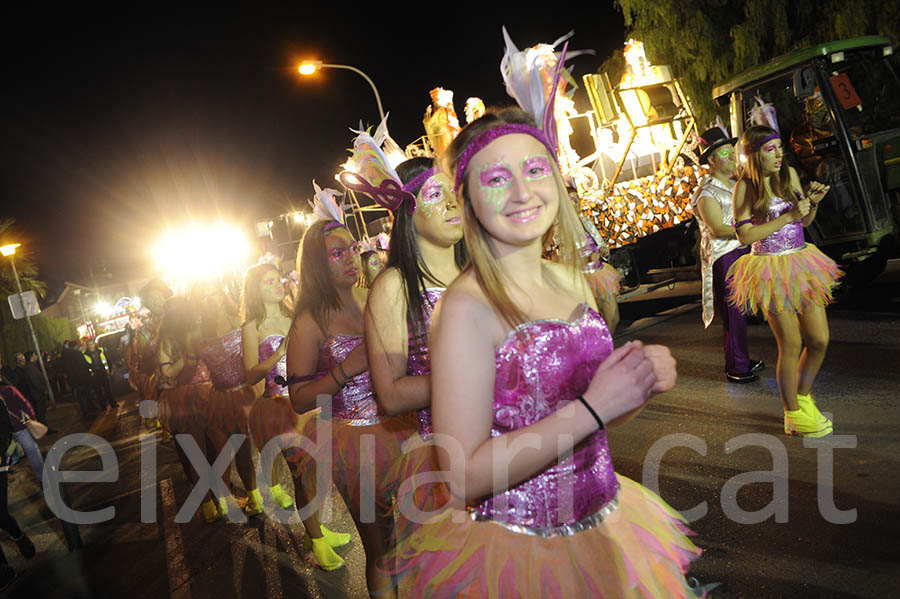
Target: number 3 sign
x=845 y=92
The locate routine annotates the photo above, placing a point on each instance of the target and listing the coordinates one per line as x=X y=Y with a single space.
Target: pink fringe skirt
x=639 y=551
x=604 y=283
x=364 y=453
x=229 y=409
x=183 y=410
x=416 y=490
x=782 y=283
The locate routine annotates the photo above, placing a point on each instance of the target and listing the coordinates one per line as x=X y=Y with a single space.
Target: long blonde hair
x=753 y=176
x=483 y=260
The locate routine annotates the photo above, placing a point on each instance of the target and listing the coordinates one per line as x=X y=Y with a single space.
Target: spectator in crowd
x=38 y=394
x=78 y=373
x=96 y=359
x=18 y=375
x=7 y=522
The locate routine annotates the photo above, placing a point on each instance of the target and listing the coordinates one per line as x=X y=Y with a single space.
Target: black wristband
x=600 y=425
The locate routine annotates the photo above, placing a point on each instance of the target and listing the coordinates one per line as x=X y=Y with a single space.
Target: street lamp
x=9 y=250
x=309 y=67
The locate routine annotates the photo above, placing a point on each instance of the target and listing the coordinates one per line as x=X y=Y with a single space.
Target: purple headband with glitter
x=490 y=135
x=418 y=181
x=755 y=147
x=333 y=224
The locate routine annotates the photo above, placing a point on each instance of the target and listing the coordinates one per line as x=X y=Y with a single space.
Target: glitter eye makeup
x=494 y=179
x=338 y=254
x=725 y=152
x=536 y=167
x=432 y=191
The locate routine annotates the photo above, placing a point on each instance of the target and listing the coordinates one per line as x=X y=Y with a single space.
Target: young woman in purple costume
x=266 y=323
x=785 y=278
x=184 y=386
x=524 y=374
x=327 y=356
x=426 y=254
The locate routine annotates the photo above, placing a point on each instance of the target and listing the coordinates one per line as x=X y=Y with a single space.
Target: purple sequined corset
x=418 y=363
x=355 y=403
x=224 y=358
x=785 y=240
x=542 y=366
x=267 y=347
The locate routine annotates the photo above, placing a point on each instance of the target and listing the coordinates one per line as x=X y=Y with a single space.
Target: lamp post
x=308 y=67
x=9 y=250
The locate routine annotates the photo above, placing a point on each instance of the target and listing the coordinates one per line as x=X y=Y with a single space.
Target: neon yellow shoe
x=325 y=557
x=798 y=422
x=808 y=405
x=254 y=505
x=210 y=512
x=335 y=539
x=281 y=498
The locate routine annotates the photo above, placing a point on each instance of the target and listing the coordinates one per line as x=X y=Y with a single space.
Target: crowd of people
x=458 y=399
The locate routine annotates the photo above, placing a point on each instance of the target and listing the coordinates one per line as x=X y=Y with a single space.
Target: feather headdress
x=532 y=77
x=325 y=205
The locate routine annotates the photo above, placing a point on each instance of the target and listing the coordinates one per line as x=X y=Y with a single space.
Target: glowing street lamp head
x=9 y=249
x=308 y=67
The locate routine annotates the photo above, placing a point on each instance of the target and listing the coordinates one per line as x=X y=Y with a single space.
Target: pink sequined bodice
x=788 y=238
x=355 y=403
x=224 y=358
x=267 y=347
x=418 y=362
x=542 y=366
x=201 y=374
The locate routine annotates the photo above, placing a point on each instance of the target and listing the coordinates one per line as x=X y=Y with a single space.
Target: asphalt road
x=776 y=516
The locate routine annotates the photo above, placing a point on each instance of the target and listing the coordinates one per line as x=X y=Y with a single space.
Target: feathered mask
x=325 y=205
x=373 y=175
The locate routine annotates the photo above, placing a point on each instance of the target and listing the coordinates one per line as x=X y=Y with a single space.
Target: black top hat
x=712 y=139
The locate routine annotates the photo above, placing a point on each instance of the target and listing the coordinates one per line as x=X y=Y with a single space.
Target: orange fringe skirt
x=183 y=410
x=229 y=409
x=782 y=283
x=639 y=551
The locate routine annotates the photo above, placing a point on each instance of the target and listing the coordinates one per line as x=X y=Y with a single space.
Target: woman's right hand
x=622 y=383
x=357 y=361
x=799 y=211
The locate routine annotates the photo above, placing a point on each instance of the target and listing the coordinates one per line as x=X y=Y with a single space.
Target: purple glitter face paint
x=430 y=194
x=535 y=168
x=340 y=253
x=494 y=180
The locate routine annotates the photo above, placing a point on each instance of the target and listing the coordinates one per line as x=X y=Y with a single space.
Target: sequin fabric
x=418 y=362
x=542 y=366
x=201 y=374
x=355 y=403
x=788 y=238
x=224 y=358
x=267 y=347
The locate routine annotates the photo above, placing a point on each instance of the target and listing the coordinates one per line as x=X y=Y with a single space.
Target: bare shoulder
x=465 y=306
x=305 y=326
x=388 y=286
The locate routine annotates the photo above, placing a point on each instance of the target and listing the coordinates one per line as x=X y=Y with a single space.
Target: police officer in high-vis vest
x=96 y=358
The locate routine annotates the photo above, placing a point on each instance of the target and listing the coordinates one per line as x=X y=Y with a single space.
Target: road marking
x=179 y=581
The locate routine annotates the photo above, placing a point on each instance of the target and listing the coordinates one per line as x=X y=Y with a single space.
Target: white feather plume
x=325 y=205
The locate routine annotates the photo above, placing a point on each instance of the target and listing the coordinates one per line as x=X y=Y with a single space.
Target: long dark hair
x=404 y=253
x=179 y=317
x=317 y=291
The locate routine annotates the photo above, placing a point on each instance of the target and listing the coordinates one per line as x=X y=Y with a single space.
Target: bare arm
x=387 y=340
x=170 y=369
x=463 y=386
x=711 y=213
x=814 y=194
x=747 y=233
x=303 y=346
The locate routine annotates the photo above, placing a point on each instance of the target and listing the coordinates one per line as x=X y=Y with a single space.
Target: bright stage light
x=104 y=309
x=200 y=252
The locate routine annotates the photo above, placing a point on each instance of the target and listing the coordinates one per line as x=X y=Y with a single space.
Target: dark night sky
x=114 y=125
